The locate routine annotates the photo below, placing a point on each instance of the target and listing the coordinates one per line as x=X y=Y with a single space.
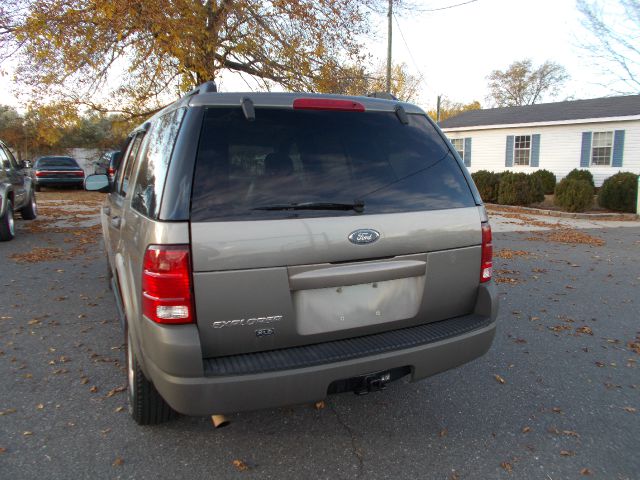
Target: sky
x=455 y=49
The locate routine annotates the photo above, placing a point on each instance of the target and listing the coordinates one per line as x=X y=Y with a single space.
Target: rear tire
x=30 y=211
x=146 y=405
x=7 y=226
x=37 y=188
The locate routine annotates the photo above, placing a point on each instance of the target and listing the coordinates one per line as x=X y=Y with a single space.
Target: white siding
x=560 y=147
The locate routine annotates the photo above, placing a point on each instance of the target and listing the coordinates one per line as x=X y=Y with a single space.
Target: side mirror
x=97 y=183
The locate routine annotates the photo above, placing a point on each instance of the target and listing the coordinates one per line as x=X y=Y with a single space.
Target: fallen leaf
x=443 y=433
x=27 y=433
x=556 y=410
x=585 y=471
x=40 y=406
x=319 y=405
x=526 y=429
x=240 y=465
x=116 y=390
x=499 y=379
x=630 y=409
x=599 y=364
x=507 y=466
x=93 y=389
x=117 y=462
x=119 y=409
x=567 y=453
x=84 y=380
x=585 y=329
x=7 y=411
x=571 y=433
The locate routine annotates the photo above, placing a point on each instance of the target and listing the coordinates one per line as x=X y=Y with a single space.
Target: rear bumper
x=58 y=182
x=206 y=395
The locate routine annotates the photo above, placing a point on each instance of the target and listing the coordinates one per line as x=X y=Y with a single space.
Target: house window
x=458 y=144
x=601 y=148
x=522 y=150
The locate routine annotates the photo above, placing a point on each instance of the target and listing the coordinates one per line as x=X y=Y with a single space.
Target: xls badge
x=246 y=322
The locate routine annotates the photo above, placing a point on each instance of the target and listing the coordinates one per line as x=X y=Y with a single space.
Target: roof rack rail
x=383 y=95
x=206 y=87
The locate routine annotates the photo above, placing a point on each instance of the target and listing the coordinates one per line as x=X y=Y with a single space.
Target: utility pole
x=438 y=110
x=389 y=35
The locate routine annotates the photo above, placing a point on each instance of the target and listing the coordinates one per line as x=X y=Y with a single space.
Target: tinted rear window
x=57 y=162
x=299 y=156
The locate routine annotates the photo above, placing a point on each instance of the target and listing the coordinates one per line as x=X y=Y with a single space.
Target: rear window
x=57 y=162
x=248 y=170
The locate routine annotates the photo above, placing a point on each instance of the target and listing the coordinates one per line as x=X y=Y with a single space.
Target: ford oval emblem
x=364 y=236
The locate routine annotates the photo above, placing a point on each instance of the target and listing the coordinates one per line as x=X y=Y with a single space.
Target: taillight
x=327 y=104
x=486 y=267
x=166 y=284
x=39 y=173
x=78 y=173
x=111 y=171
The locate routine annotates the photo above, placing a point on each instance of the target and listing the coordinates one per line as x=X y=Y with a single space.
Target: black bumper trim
x=341 y=350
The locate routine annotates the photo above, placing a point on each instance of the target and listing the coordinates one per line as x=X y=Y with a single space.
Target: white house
x=601 y=134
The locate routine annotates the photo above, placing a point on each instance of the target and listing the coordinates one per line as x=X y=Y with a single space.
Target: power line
x=443 y=8
x=413 y=60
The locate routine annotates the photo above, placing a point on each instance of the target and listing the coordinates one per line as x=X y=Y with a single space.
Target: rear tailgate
x=273 y=284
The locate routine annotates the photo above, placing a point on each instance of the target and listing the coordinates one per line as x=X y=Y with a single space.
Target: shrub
x=577 y=174
x=537 y=189
x=515 y=189
x=488 y=184
x=574 y=195
x=619 y=192
x=548 y=180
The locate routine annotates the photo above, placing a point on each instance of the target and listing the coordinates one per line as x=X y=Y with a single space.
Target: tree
x=522 y=84
x=356 y=80
x=614 y=40
x=12 y=130
x=72 y=49
x=450 y=108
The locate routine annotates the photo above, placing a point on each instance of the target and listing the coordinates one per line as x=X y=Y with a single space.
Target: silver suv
x=269 y=249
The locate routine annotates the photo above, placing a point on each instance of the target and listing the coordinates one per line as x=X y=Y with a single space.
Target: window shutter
x=618 y=148
x=585 y=152
x=508 y=158
x=467 y=152
x=535 y=150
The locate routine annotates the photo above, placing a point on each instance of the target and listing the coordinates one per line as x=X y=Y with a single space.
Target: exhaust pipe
x=219 y=421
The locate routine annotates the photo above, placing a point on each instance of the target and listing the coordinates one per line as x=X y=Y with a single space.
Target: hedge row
x=574 y=193
x=508 y=188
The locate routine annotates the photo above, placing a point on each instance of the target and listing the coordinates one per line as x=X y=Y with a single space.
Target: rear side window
x=153 y=167
x=292 y=157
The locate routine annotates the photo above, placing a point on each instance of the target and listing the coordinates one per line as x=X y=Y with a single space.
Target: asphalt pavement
x=556 y=397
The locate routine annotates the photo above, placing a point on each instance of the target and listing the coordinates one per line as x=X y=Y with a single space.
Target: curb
x=555 y=213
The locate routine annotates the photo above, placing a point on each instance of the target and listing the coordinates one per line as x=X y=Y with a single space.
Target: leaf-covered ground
x=556 y=397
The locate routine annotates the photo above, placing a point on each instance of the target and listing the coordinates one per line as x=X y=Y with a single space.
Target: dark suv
x=269 y=249
x=16 y=194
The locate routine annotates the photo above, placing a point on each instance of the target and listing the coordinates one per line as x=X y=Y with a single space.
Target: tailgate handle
x=344 y=275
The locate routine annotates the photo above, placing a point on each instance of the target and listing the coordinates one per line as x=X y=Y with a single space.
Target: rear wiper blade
x=357 y=206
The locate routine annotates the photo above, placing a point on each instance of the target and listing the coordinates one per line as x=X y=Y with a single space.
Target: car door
x=15 y=176
x=114 y=206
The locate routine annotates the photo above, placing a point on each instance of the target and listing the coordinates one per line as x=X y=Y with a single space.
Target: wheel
x=7 y=225
x=37 y=187
x=30 y=210
x=146 y=405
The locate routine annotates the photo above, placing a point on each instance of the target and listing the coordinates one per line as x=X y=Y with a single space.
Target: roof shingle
x=548 y=112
